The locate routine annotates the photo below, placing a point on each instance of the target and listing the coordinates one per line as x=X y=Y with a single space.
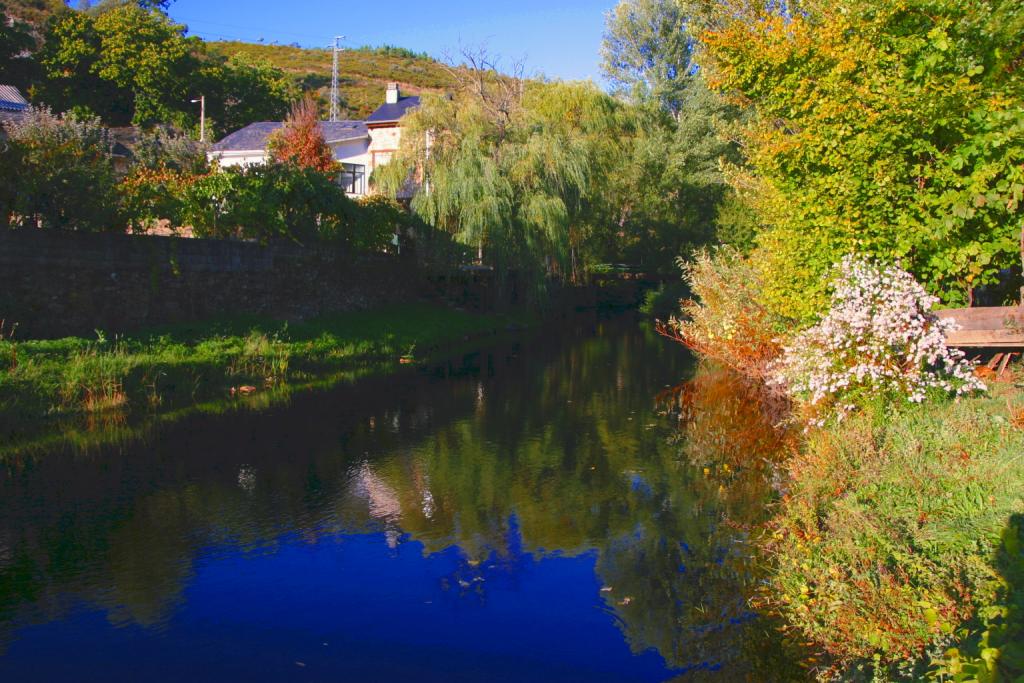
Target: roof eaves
x=364 y=136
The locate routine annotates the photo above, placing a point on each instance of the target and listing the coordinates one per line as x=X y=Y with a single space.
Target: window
x=353 y=178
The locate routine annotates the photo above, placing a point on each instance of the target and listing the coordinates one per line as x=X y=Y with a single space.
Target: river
x=529 y=513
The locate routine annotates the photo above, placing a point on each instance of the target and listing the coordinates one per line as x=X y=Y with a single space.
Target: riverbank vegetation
x=46 y=380
x=894 y=551
x=897 y=547
x=881 y=178
x=555 y=179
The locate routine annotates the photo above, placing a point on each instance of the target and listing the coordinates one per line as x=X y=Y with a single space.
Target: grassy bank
x=45 y=381
x=897 y=548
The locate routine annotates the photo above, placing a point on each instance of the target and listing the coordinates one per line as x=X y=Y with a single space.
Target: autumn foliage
x=301 y=141
x=727 y=322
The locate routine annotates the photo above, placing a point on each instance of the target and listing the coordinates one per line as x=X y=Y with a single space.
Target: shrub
x=56 y=172
x=727 y=322
x=879 y=340
x=268 y=202
x=164 y=149
x=301 y=141
x=379 y=220
x=149 y=195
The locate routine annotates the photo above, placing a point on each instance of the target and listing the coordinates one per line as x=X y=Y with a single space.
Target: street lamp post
x=202 y=117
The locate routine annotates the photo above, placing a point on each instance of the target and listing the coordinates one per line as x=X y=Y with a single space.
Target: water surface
x=524 y=514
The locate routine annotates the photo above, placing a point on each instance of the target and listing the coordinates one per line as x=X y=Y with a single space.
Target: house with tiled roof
x=359 y=146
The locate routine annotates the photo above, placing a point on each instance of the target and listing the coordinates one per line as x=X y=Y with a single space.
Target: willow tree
x=513 y=168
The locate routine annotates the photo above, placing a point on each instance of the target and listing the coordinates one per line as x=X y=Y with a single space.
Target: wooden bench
x=987 y=328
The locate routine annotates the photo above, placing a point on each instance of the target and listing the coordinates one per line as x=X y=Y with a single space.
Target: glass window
x=353 y=178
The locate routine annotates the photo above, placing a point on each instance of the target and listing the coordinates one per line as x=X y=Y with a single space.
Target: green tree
x=144 y=52
x=240 y=90
x=647 y=50
x=67 y=58
x=132 y=65
x=893 y=128
x=104 y=5
x=672 y=189
x=512 y=169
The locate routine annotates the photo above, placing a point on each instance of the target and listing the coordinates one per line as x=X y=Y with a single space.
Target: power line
x=219 y=36
x=249 y=28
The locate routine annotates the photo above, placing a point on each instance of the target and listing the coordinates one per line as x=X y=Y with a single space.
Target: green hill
x=363 y=74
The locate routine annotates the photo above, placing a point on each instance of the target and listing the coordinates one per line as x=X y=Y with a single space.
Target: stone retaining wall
x=55 y=284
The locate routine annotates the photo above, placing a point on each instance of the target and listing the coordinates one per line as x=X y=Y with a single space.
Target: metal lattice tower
x=334 y=78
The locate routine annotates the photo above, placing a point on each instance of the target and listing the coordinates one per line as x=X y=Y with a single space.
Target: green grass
x=165 y=370
x=899 y=537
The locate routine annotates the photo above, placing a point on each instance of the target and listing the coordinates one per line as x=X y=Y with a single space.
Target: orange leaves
x=1017 y=418
x=301 y=142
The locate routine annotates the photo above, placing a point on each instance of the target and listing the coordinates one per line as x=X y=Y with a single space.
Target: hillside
x=364 y=72
x=32 y=11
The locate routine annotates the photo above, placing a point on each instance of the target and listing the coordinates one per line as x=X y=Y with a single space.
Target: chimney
x=392 y=94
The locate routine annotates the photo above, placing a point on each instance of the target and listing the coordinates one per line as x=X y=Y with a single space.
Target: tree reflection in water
x=552 y=448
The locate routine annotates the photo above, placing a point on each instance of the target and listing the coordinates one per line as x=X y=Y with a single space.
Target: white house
x=360 y=146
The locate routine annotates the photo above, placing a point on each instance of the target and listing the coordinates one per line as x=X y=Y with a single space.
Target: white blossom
x=880 y=337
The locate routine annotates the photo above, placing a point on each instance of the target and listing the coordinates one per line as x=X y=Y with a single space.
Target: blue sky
x=559 y=38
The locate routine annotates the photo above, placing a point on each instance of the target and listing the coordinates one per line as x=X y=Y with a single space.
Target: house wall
x=353 y=152
x=349 y=152
x=54 y=283
x=383 y=142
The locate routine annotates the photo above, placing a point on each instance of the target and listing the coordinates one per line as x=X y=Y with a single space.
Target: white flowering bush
x=880 y=339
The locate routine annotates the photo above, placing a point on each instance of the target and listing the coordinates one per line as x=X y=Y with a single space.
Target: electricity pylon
x=334 y=78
